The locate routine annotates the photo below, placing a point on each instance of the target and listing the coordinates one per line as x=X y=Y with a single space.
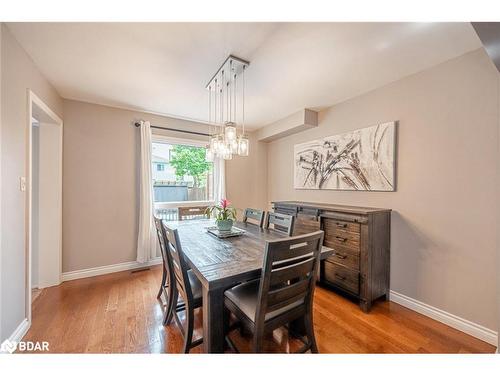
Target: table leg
x=213 y=327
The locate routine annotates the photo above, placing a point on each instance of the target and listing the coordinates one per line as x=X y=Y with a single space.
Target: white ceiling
x=163 y=67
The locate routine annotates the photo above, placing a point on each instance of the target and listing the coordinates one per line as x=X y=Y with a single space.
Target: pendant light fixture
x=223 y=93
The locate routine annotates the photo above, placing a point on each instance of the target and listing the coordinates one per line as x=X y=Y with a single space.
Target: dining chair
x=186 y=286
x=284 y=293
x=193 y=212
x=280 y=222
x=166 y=284
x=256 y=216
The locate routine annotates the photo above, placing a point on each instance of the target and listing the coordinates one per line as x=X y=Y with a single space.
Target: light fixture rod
x=230 y=57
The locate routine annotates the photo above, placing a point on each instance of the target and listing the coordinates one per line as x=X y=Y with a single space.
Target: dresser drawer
x=340 y=225
x=340 y=241
x=341 y=235
x=343 y=277
x=345 y=257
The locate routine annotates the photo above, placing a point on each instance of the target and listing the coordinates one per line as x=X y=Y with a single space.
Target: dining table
x=220 y=264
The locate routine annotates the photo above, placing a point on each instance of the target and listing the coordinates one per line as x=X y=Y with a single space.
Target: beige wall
x=444 y=220
x=100 y=181
x=246 y=178
x=18 y=73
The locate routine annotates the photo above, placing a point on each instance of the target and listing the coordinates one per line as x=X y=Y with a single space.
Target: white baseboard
x=471 y=328
x=96 y=271
x=18 y=333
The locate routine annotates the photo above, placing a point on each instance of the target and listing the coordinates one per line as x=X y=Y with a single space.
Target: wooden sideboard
x=360 y=238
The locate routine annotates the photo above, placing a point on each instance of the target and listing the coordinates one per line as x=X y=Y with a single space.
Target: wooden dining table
x=220 y=264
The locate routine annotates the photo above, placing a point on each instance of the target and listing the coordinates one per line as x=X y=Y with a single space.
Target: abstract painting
x=363 y=159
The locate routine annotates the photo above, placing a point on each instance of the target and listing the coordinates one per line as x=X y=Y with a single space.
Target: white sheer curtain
x=146 y=241
x=219 y=180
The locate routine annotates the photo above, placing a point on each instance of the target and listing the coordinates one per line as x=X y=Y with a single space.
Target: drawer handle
x=341 y=238
x=342 y=278
x=339 y=225
x=340 y=256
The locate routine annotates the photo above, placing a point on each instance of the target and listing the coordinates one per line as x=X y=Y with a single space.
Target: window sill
x=160 y=205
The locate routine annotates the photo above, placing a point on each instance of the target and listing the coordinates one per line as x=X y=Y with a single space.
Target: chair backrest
x=281 y=222
x=179 y=266
x=163 y=242
x=255 y=215
x=289 y=274
x=194 y=212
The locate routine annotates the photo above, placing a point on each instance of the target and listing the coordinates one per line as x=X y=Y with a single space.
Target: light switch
x=22 y=183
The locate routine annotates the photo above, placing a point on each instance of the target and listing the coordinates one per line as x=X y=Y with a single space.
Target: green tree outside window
x=188 y=160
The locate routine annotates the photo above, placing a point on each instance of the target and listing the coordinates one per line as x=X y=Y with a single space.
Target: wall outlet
x=22 y=183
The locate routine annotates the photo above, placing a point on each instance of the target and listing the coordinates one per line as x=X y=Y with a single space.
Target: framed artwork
x=363 y=159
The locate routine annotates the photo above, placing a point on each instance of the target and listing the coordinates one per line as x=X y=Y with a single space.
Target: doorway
x=44 y=229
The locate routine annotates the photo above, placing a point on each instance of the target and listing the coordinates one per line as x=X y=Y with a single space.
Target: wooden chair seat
x=245 y=297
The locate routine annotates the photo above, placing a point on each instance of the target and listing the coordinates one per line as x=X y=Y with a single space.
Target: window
x=180 y=172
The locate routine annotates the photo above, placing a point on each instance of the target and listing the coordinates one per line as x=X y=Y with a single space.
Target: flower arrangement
x=224 y=214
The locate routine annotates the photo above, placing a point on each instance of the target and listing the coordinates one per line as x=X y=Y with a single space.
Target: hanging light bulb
x=227 y=154
x=230 y=131
x=243 y=145
x=226 y=141
x=234 y=146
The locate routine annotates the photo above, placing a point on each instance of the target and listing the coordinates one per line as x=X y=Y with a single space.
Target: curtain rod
x=137 y=124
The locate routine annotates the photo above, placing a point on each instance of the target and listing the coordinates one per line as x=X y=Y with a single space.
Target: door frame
x=34 y=100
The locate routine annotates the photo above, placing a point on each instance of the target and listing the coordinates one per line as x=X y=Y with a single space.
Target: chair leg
x=308 y=322
x=258 y=341
x=188 y=337
x=173 y=296
x=163 y=279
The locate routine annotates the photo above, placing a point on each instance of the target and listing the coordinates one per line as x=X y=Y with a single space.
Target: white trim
x=19 y=333
x=112 y=268
x=34 y=99
x=44 y=107
x=466 y=326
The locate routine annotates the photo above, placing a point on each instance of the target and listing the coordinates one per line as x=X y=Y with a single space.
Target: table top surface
x=224 y=262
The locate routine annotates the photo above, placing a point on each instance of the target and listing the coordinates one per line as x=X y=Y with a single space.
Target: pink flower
x=224 y=203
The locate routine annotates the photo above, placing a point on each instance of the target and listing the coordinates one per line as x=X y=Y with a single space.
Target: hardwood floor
x=119 y=313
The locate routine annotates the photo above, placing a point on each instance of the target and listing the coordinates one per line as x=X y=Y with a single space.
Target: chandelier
x=224 y=109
